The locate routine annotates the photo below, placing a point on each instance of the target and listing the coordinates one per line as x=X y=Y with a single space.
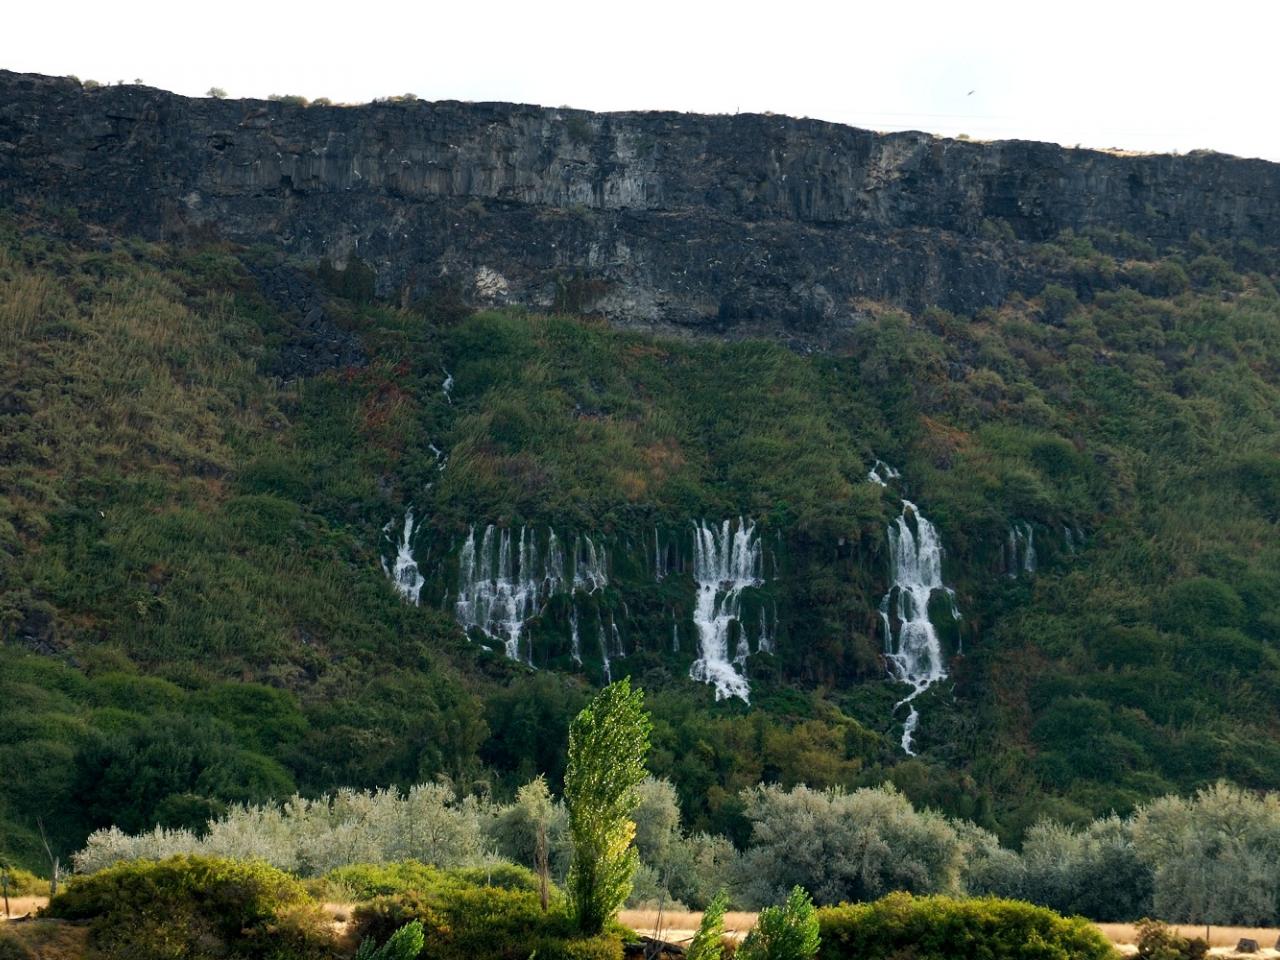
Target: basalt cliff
x=721 y=224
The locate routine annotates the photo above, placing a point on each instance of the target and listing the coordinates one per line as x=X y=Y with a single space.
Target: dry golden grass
x=49 y=939
x=21 y=906
x=1227 y=937
x=680 y=926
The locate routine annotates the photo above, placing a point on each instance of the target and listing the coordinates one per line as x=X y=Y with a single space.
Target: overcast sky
x=1137 y=75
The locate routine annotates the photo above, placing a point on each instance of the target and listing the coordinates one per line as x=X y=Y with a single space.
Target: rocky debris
x=312 y=342
x=35 y=628
x=715 y=224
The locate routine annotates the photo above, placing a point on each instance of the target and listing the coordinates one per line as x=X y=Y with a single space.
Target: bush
x=786 y=932
x=196 y=907
x=366 y=881
x=942 y=928
x=483 y=922
x=405 y=944
x=24 y=883
x=1158 y=941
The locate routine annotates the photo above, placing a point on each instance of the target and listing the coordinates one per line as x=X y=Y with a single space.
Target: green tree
x=786 y=932
x=707 y=942
x=608 y=742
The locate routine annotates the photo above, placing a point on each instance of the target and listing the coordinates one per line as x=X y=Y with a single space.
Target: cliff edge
x=720 y=224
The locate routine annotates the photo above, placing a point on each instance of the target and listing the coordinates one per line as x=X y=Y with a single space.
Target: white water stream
x=404 y=573
x=724 y=564
x=913 y=650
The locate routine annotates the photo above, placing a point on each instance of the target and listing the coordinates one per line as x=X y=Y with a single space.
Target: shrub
x=847 y=846
x=942 y=928
x=1158 y=941
x=24 y=883
x=786 y=932
x=366 y=881
x=405 y=944
x=11 y=948
x=195 y=907
x=483 y=922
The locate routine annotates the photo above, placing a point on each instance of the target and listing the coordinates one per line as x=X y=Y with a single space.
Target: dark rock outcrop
x=727 y=224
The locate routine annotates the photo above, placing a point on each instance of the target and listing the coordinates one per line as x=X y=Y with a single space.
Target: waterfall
x=1020 y=550
x=881 y=473
x=914 y=652
x=447 y=386
x=604 y=654
x=725 y=564
x=442 y=458
x=575 y=642
x=501 y=588
x=404 y=573
x=506 y=578
x=590 y=566
x=766 y=638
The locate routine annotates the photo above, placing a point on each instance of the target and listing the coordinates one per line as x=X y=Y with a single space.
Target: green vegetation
x=1159 y=941
x=466 y=922
x=941 y=928
x=608 y=743
x=194 y=616
x=707 y=943
x=786 y=932
x=195 y=907
x=405 y=944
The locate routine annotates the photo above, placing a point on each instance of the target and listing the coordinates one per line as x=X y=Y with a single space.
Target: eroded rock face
x=722 y=224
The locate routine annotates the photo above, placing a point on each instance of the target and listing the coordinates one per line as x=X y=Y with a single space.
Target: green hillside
x=193 y=500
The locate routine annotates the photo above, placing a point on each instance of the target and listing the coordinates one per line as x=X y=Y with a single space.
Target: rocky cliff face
x=726 y=224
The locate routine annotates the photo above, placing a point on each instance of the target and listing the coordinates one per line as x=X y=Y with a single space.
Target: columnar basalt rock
x=722 y=224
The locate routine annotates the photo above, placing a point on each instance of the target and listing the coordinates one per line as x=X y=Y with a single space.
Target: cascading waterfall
x=404 y=573
x=1020 y=550
x=881 y=473
x=499 y=588
x=506 y=579
x=590 y=566
x=724 y=565
x=914 y=651
x=447 y=386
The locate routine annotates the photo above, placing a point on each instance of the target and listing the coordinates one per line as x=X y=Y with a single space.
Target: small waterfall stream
x=403 y=571
x=913 y=651
x=1020 y=550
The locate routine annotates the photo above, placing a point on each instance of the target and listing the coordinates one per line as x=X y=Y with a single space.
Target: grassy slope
x=191 y=545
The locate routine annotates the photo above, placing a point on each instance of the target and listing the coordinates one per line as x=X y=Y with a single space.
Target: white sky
x=1139 y=75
